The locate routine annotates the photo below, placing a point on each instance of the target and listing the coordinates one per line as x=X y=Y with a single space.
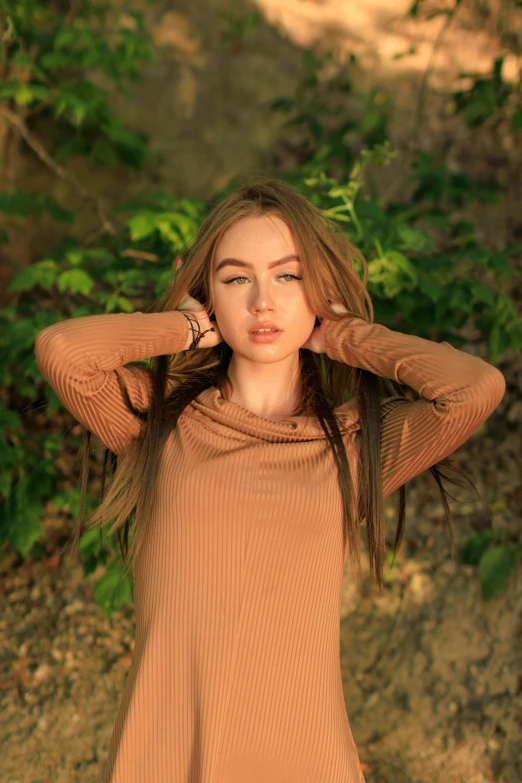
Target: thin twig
x=429 y=69
x=141 y=254
x=398 y=182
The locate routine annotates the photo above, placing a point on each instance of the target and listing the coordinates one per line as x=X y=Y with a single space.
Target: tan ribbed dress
x=236 y=669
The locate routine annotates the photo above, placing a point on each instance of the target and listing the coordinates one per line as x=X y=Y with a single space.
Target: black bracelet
x=195 y=342
x=189 y=319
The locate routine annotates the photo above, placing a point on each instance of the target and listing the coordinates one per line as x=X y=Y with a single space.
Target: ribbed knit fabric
x=236 y=670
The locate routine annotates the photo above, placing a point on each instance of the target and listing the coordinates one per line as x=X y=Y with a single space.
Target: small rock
x=42 y=673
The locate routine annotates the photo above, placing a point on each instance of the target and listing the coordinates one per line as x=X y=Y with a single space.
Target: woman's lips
x=264 y=337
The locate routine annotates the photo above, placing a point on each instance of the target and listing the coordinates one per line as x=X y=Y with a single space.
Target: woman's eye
x=233 y=279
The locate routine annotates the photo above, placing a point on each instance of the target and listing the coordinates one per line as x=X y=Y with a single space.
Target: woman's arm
x=458 y=393
x=82 y=358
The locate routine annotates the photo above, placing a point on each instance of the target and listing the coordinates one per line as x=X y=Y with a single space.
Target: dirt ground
x=432 y=675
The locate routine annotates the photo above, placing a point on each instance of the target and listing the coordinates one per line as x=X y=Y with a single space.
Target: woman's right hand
x=197 y=312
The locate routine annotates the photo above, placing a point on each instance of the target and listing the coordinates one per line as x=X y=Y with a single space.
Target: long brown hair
x=329 y=273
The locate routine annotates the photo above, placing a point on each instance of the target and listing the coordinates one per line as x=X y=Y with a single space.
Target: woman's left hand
x=316 y=341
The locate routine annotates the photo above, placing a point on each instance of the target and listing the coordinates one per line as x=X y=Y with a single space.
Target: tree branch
x=429 y=68
x=60 y=171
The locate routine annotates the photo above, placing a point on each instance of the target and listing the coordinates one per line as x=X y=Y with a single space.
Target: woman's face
x=250 y=290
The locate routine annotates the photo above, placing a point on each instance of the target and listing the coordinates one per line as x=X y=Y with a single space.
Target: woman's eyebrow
x=238 y=262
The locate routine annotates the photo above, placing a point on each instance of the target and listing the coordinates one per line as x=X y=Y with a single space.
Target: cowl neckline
x=215 y=408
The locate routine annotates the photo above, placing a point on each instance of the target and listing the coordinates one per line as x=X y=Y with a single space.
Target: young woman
x=247 y=475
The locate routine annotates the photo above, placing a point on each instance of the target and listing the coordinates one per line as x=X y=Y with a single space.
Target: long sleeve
x=458 y=393
x=81 y=358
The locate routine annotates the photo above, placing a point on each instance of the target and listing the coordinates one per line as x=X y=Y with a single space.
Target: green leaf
x=69 y=500
x=495 y=567
x=428 y=286
x=8 y=418
x=27 y=527
x=141 y=225
x=21 y=203
x=58 y=212
x=90 y=543
x=373 y=118
x=185 y=226
x=118 y=302
x=21 y=59
x=76 y=281
x=53 y=61
x=23 y=96
x=397 y=263
x=475 y=547
x=495 y=342
x=414 y=238
x=53 y=401
x=482 y=292
x=22 y=512
x=24 y=204
x=113 y=589
x=459 y=296
x=42 y=274
x=75 y=257
x=20 y=333
x=66 y=38
x=125 y=304
x=501 y=266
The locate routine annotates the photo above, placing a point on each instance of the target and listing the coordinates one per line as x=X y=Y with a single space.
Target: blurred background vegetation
x=120 y=120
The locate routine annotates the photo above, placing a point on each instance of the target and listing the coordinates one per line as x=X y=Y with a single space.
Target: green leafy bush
x=428 y=274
